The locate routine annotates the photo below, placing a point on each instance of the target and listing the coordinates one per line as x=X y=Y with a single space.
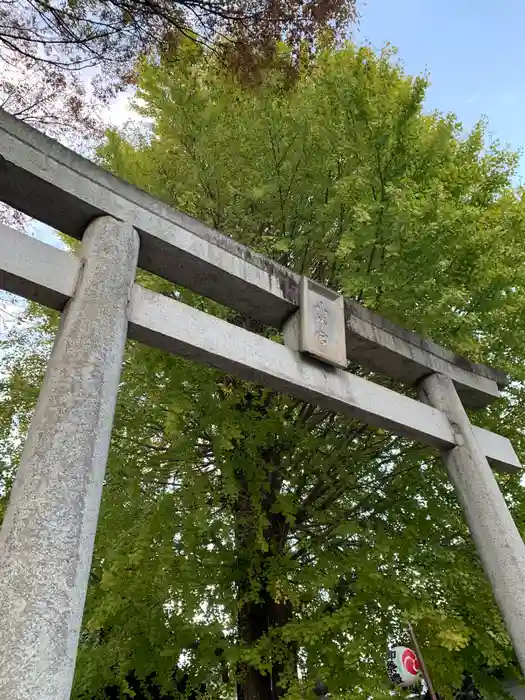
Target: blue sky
x=473 y=51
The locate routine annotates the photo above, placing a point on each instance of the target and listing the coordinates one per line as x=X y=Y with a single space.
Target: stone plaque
x=322 y=326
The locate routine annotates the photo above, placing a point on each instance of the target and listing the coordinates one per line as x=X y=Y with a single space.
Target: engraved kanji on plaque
x=321 y=323
x=322 y=332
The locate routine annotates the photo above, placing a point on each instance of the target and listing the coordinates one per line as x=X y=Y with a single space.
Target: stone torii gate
x=47 y=536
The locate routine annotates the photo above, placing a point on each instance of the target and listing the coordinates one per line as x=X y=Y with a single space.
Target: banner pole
x=422 y=662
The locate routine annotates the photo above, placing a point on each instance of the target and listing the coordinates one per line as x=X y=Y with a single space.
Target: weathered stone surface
x=183 y=330
x=60 y=188
x=386 y=348
x=322 y=326
x=498 y=542
x=45 y=274
x=37 y=271
x=47 y=536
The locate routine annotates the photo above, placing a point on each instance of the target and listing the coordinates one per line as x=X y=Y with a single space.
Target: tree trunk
x=280 y=614
x=252 y=620
x=252 y=625
x=257 y=618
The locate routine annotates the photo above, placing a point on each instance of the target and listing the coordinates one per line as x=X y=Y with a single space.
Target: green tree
x=45 y=45
x=250 y=543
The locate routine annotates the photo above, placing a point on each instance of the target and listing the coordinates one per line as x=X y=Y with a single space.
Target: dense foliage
x=250 y=543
